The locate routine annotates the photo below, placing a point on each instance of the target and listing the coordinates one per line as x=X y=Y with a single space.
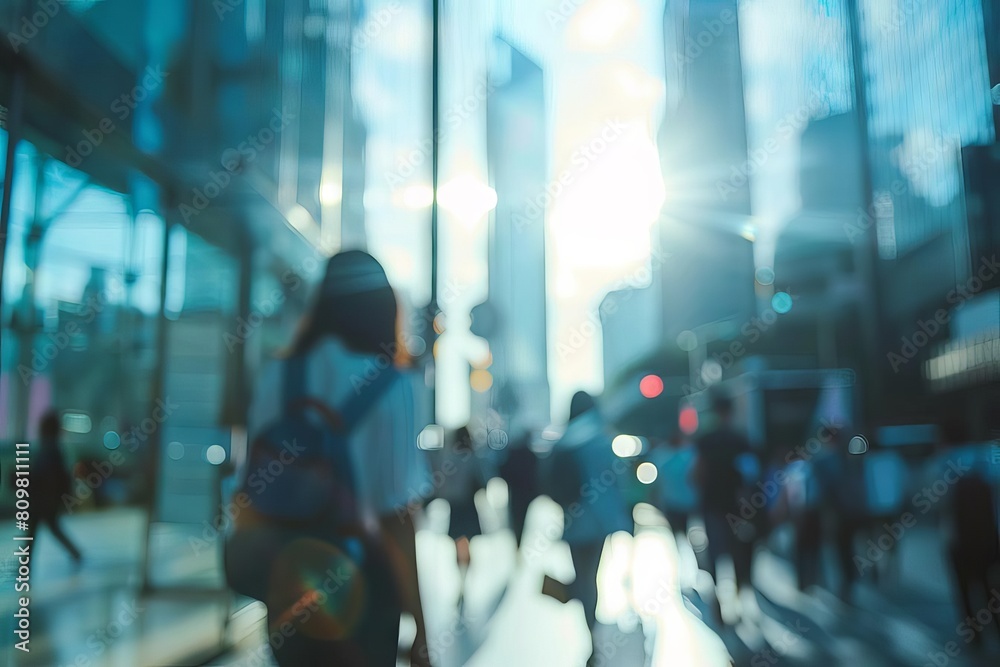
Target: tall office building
x=702 y=265
x=708 y=264
x=517 y=283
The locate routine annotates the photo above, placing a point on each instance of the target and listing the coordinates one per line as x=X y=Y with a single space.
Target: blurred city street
x=434 y=333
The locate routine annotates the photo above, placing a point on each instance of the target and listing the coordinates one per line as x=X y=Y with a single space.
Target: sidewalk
x=505 y=620
x=908 y=617
x=95 y=614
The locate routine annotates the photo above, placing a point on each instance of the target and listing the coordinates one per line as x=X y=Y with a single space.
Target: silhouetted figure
x=773 y=475
x=520 y=471
x=676 y=494
x=720 y=479
x=463 y=478
x=974 y=541
x=49 y=482
x=842 y=478
x=827 y=504
x=973 y=548
x=804 y=500
x=583 y=479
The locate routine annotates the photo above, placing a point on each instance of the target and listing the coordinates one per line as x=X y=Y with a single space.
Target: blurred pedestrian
x=520 y=471
x=675 y=492
x=462 y=478
x=583 y=480
x=973 y=544
x=719 y=476
x=843 y=496
x=50 y=481
x=825 y=500
x=973 y=538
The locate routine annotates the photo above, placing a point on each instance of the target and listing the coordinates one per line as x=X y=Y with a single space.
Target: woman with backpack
x=333 y=457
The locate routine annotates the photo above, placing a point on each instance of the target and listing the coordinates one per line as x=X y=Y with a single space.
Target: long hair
x=354 y=304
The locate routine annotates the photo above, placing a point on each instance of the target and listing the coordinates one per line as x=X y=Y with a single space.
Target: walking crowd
x=329 y=544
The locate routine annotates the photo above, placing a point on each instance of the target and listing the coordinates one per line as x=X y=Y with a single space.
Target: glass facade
x=797 y=69
x=81 y=301
x=927 y=84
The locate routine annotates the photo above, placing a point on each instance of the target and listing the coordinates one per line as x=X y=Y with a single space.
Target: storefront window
x=80 y=302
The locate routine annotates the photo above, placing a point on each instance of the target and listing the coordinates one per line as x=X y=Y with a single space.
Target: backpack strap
x=341 y=421
x=356 y=407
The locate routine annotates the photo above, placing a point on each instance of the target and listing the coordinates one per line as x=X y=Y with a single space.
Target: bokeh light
x=687 y=341
x=481 y=381
x=431 y=437
x=781 y=302
x=216 y=455
x=112 y=440
x=175 y=451
x=858 y=445
x=651 y=386
x=765 y=275
x=625 y=446
x=646 y=473
x=688 y=420
x=711 y=371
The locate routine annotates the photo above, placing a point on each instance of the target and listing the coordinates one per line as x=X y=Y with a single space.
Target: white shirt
x=390 y=472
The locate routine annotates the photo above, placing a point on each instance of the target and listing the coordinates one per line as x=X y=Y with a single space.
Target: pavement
x=654 y=606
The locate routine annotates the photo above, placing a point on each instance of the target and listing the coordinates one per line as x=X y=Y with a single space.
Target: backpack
x=300 y=483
